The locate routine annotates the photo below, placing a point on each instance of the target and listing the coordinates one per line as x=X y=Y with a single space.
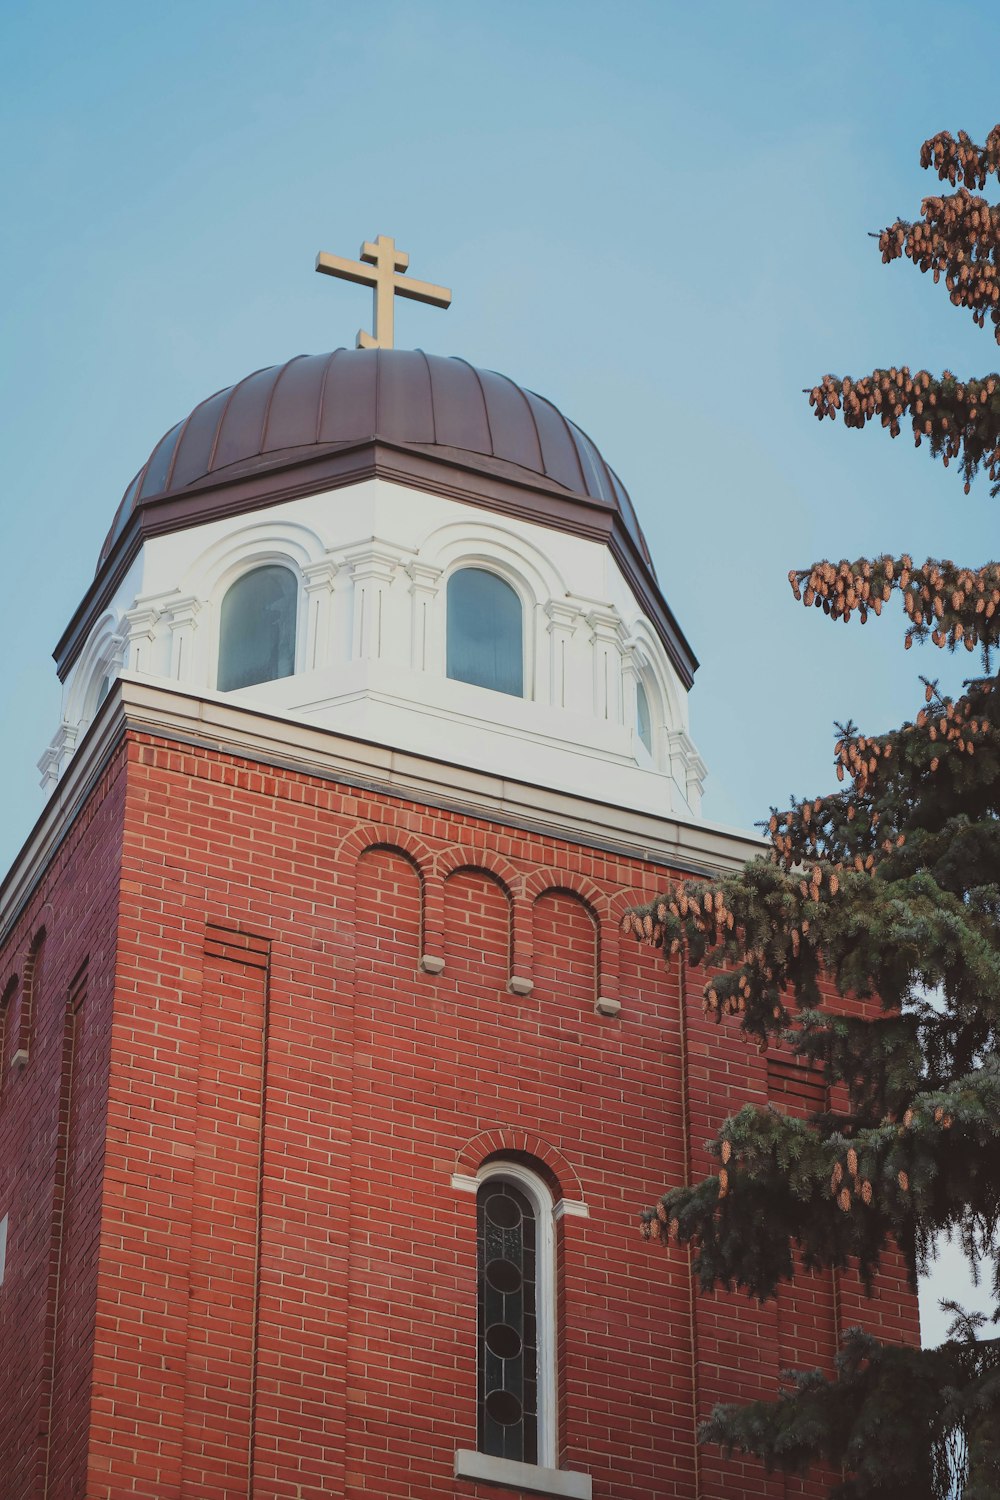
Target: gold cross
x=386 y=281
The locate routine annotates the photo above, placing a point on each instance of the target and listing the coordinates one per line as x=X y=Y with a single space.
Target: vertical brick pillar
x=222 y=1306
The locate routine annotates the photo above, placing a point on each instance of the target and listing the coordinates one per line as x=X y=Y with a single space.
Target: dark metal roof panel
x=158 y=464
x=242 y=422
x=295 y=412
x=349 y=411
x=595 y=470
x=194 y=449
x=558 y=450
x=406 y=407
x=512 y=427
x=288 y=411
x=459 y=406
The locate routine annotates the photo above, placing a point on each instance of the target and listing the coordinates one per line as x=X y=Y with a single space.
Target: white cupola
x=402 y=549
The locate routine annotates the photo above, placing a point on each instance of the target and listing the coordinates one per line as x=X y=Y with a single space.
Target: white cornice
x=215 y=722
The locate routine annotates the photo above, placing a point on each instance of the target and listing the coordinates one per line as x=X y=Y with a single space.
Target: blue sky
x=654 y=214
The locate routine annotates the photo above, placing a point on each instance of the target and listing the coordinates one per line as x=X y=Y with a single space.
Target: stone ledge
x=518 y=1476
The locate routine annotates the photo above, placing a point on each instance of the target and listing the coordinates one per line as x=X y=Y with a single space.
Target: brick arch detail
x=613 y=908
x=596 y=904
x=370 y=836
x=500 y=1138
x=8 y=990
x=382 y=836
x=540 y=881
x=477 y=857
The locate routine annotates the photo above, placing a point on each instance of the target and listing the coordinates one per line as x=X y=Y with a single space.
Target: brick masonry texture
x=238 y=1266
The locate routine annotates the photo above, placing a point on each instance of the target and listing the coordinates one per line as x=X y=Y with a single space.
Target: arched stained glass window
x=643 y=719
x=508 y=1323
x=257 y=630
x=485 y=632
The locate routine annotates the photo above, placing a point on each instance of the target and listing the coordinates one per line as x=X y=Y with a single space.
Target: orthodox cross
x=381 y=267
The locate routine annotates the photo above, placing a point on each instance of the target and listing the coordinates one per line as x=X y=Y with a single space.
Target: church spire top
x=382 y=267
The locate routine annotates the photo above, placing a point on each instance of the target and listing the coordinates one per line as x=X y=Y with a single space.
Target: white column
x=607 y=639
x=630 y=677
x=181 y=617
x=563 y=619
x=687 y=768
x=372 y=570
x=426 y=625
x=318 y=616
x=115 y=659
x=140 y=624
x=53 y=759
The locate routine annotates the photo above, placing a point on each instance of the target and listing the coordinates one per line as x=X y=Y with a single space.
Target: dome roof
x=325 y=421
x=319 y=404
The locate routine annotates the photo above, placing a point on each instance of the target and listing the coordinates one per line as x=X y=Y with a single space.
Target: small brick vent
x=796 y=1087
x=235 y=947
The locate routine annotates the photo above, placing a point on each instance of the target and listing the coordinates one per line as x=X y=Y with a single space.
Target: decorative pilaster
x=630 y=678
x=563 y=619
x=180 y=616
x=139 y=626
x=686 y=767
x=318 y=584
x=373 y=568
x=425 y=582
x=608 y=639
x=114 y=657
x=53 y=759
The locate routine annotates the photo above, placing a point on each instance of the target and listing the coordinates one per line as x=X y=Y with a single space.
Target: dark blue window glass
x=257 y=630
x=485 y=632
x=508 y=1329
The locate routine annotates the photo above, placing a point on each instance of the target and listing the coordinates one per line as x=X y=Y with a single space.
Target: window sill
x=518 y=1476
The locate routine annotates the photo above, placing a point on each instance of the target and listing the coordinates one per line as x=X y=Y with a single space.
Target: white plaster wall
x=373 y=562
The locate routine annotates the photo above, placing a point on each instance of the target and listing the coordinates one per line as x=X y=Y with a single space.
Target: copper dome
x=325 y=421
x=316 y=403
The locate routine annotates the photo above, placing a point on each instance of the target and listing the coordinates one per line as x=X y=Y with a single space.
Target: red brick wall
x=286 y=1301
x=57 y=970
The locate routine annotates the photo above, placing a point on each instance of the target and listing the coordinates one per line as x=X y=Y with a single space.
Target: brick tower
x=330 y=1090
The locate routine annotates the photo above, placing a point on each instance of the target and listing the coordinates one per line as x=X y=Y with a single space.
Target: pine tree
x=890 y=888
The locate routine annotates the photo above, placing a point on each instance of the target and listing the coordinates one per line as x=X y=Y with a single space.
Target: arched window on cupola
x=643 y=717
x=485 y=632
x=257 y=628
x=516 y=1317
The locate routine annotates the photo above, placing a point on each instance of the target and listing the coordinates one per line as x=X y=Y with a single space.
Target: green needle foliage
x=889 y=888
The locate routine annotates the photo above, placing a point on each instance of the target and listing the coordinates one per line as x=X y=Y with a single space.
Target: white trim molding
x=516 y=1476
x=570 y=1208
x=371 y=640
x=215 y=721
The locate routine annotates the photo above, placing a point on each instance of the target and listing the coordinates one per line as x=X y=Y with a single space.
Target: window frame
x=642 y=696
x=489 y=565
x=225 y=586
x=543 y=1204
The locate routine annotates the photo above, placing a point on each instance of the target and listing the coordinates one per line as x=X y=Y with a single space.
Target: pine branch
x=917 y=1424
x=780 y=931
x=957 y=237
x=910 y=794
x=842 y=1200
x=959 y=420
x=950 y=604
x=889 y=890
x=960 y=160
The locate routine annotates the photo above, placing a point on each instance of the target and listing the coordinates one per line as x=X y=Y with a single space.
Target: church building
x=330 y=1089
